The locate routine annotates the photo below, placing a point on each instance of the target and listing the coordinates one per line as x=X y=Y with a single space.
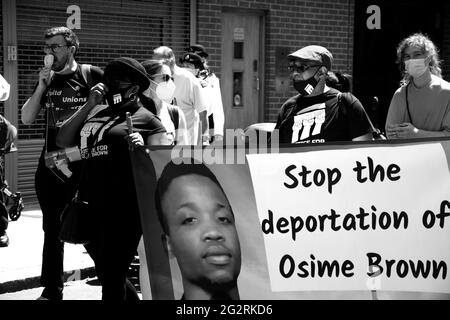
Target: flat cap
x=314 y=53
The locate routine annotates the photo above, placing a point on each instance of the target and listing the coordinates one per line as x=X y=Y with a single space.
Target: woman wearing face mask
x=101 y=132
x=158 y=98
x=420 y=108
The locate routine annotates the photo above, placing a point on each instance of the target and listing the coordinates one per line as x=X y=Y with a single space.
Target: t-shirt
x=319 y=119
x=191 y=99
x=429 y=106
x=109 y=176
x=65 y=95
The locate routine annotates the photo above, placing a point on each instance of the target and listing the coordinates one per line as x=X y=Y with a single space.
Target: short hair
x=69 y=36
x=166 y=54
x=171 y=172
x=427 y=46
x=153 y=66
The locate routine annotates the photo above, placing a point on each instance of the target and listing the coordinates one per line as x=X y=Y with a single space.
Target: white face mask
x=164 y=90
x=415 y=67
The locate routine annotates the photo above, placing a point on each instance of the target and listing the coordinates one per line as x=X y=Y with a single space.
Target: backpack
x=5 y=128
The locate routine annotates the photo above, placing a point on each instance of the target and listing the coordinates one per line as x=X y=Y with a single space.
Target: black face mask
x=306 y=87
x=117 y=97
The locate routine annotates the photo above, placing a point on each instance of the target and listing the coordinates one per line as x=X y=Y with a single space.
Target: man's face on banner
x=202 y=233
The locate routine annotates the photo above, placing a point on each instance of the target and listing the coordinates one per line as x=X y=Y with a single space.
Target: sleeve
x=182 y=134
x=358 y=120
x=217 y=108
x=150 y=126
x=397 y=108
x=97 y=74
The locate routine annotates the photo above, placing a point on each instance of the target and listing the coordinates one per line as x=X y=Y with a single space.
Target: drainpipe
x=193 y=21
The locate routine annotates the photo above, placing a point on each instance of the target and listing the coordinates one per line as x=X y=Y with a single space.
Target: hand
x=135 y=140
x=97 y=93
x=218 y=140
x=45 y=76
x=401 y=131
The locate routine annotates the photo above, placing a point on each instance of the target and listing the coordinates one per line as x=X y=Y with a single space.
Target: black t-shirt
x=321 y=118
x=109 y=176
x=64 y=96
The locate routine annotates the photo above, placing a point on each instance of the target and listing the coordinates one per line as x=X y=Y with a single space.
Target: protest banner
x=322 y=222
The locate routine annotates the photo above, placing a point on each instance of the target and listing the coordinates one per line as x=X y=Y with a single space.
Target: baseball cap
x=198 y=49
x=131 y=68
x=194 y=59
x=314 y=53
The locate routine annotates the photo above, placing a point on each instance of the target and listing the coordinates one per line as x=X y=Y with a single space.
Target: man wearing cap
x=189 y=96
x=318 y=113
x=62 y=88
x=216 y=115
x=108 y=184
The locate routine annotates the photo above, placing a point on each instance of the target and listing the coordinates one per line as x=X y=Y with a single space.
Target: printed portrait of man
x=199 y=231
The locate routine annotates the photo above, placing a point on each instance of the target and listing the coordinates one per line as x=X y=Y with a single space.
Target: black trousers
x=116 y=234
x=53 y=195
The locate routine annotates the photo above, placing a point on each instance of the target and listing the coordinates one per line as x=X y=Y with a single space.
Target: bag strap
x=407 y=103
x=87 y=76
x=174 y=116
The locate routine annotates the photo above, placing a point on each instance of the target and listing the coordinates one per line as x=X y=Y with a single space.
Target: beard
x=59 y=65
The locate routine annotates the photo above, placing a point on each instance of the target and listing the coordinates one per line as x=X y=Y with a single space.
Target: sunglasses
x=54 y=47
x=163 y=76
x=300 y=68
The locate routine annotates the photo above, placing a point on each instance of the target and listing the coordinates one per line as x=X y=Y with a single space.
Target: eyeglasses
x=300 y=68
x=54 y=47
x=164 y=76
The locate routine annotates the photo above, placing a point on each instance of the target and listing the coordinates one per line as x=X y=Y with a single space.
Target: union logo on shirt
x=308 y=123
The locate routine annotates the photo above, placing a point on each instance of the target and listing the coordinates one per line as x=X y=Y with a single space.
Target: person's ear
x=72 y=50
x=133 y=91
x=167 y=245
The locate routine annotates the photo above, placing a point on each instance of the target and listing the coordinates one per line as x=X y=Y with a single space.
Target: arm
x=158 y=139
x=407 y=130
x=218 y=114
x=395 y=114
x=204 y=125
x=67 y=133
x=32 y=106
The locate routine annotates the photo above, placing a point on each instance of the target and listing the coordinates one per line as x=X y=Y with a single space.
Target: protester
x=420 y=108
x=200 y=231
x=189 y=96
x=319 y=113
x=216 y=118
x=8 y=134
x=63 y=87
x=158 y=97
x=108 y=184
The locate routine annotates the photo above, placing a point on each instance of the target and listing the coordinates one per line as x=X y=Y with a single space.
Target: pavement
x=20 y=263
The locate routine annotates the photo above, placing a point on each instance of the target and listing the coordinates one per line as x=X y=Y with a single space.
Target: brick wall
x=289 y=23
x=109 y=29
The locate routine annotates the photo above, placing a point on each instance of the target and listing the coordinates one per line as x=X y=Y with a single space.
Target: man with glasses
x=63 y=87
x=318 y=113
